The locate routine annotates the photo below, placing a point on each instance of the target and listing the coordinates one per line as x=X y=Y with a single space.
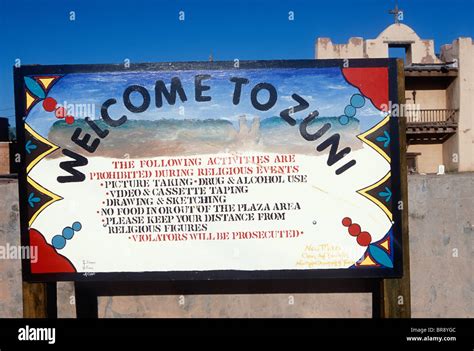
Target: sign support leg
x=86 y=301
x=39 y=300
x=396 y=292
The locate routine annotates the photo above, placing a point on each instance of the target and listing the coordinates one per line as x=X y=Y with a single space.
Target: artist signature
x=88 y=266
x=88 y=274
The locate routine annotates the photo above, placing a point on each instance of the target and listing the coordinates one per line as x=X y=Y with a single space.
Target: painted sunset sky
x=325 y=89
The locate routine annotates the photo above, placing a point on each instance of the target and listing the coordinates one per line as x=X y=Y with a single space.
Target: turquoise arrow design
x=385 y=139
x=380 y=256
x=32 y=199
x=34 y=87
x=30 y=146
x=387 y=194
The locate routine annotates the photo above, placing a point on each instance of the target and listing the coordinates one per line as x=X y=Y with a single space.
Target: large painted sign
x=210 y=170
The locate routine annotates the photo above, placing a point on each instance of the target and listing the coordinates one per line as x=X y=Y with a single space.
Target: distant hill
x=277 y=121
x=164 y=129
x=167 y=137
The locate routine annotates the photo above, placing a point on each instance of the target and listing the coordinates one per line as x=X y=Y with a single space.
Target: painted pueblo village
x=243 y=187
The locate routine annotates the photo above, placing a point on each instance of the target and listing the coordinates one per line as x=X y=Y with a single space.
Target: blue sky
x=40 y=32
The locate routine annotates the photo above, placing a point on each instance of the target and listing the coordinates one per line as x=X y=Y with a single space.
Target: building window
x=412 y=163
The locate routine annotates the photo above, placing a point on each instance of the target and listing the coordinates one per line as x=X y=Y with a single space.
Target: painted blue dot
x=76 y=226
x=343 y=119
x=357 y=101
x=58 y=242
x=350 y=111
x=68 y=233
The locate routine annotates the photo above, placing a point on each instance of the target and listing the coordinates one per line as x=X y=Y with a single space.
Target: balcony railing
x=430 y=126
x=431 y=116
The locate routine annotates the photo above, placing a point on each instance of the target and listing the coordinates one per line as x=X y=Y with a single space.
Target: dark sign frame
x=215 y=275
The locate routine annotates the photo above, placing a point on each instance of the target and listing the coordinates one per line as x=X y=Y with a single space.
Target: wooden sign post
x=396 y=297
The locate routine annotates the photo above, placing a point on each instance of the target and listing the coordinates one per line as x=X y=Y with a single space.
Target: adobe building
x=4 y=147
x=439 y=94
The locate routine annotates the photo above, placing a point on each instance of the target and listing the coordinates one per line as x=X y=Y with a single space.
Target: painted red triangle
x=372 y=83
x=48 y=260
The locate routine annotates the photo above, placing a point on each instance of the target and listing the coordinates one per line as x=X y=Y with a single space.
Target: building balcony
x=430 y=76
x=430 y=126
